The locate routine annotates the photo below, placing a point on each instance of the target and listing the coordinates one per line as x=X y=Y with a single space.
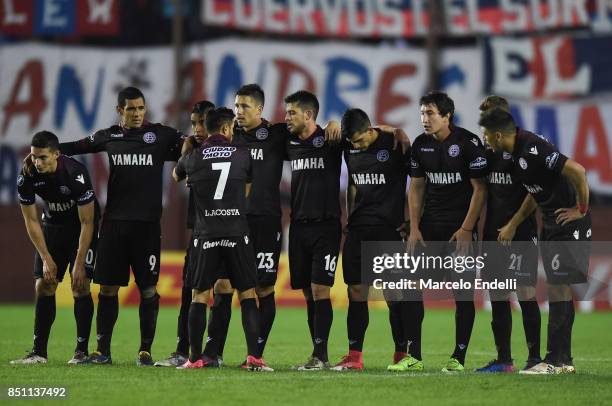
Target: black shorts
x=437 y=237
x=124 y=245
x=313 y=252
x=519 y=261
x=63 y=244
x=211 y=255
x=352 y=253
x=566 y=251
x=266 y=234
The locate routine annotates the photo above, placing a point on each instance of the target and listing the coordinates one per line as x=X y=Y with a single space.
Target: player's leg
x=111 y=270
x=83 y=302
x=266 y=233
x=44 y=316
x=357 y=318
x=300 y=258
x=144 y=255
x=240 y=261
x=219 y=319
x=323 y=270
x=180 y=355
x=530 y=311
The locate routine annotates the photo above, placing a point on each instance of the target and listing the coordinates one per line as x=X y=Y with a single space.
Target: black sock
x=357 y=321
x=557 y=320
x=106 y=317
x=413 y=322
x=310 y=309
x=197 y=323
x=220 y=315
x=566 y=350
x=396 y=320
x=267 y=313
x=250 y=325
x=465 y=314
x=83 y=314
x=501 y=325
x=148 y=310
x=44 y=316
x=532 y=324
x=182 y=328
x=323 y=318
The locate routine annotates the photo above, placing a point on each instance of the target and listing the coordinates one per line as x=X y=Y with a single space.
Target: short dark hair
x=253 y=90
x=441 y=100
x=493 y=101
x=217 y=118
x=354 y=121
x=129 y=93
x=202 y=107
x=305 y=100
x=45 y=139
x=497 y=120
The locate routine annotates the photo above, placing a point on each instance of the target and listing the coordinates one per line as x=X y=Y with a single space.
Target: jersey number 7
x=224 y=167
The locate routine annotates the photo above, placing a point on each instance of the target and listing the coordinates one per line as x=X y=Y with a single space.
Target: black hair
x=497 y=119
x=305 y=100
x=354 y=121
x=129 y=93
x=202 y=107
x=493 y=101
x=45 y=139
x=441 y=100
x=253 y=90
x=217 y=118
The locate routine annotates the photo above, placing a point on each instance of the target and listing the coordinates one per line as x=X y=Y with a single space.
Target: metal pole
x=437 y=28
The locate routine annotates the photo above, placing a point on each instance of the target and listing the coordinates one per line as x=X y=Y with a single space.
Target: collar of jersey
x=215 y=139
x=308 y=140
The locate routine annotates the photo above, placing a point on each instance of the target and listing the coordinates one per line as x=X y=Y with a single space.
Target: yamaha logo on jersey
x=318 y=142
x=453 y=150
x=523 y=163
x=382 y=155
x=19 y=180
x=261 y=134
x=64 y=190
x=246 y=239
x=149 y=137
x=195 y=242
x=507 y=155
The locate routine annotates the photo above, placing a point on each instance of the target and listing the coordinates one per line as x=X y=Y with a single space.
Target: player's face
x=362 y=140
x=44 y=159
x=432 y=121
x=197 y=127
x=295 y=118
x=493 y=140
x=132 y=113
x=248 y=112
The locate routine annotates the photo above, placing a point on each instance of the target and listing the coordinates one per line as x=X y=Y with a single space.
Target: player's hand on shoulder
x=332 y=132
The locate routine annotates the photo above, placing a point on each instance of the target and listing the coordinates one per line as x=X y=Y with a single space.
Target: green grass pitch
x=124 y=383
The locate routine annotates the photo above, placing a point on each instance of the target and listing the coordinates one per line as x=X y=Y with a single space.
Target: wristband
x=583 y=208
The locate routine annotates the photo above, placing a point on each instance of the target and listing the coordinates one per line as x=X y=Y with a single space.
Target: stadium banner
x=403 y=18
x=548 y=67
x=59 y=17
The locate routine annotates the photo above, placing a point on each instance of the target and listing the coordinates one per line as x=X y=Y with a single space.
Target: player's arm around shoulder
x=88 y=145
